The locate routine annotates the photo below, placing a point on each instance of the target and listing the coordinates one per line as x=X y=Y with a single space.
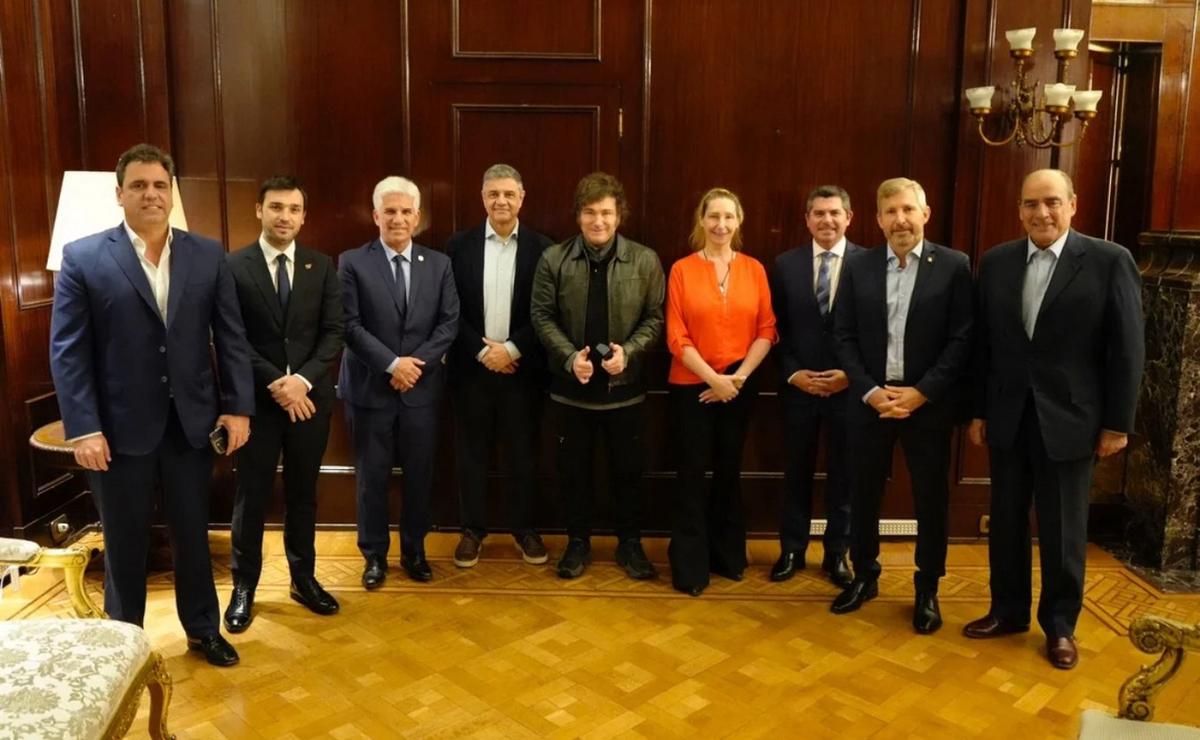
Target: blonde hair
x=697 y=237
x=896 y=185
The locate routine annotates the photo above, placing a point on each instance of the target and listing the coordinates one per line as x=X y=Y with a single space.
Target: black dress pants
x=708 y=527
x=623 y=431
x=393 y=435
x=302 y=444
x=495 y=410
x=125 y=496
x=803 y=419
x=927 y=452
x=1059 y=491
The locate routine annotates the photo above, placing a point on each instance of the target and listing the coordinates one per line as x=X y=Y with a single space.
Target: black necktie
x=281 y=281
x=401 y=292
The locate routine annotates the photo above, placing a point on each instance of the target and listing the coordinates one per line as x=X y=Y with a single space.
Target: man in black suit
x=903 y=331
x=497 y=365
x=804 y=291
x=1057 y=367
x=291 y=305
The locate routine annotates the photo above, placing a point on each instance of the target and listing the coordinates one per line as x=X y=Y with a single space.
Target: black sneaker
x=576 y=558
x=632 y=558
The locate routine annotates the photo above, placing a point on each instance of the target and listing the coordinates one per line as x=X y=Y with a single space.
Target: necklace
x=722 y=283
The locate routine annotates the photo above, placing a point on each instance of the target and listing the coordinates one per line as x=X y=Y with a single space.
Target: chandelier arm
x=990 y=142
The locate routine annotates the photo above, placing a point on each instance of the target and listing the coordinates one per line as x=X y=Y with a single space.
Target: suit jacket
x=937 y=335
x=466 y=255
x=117 y=367
x=377 y=333
x=308 y=338
x=805 y=336
x=1084 y=363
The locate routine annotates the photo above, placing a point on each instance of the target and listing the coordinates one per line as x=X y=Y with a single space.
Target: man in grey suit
x=1057 y=366
x=401 y=316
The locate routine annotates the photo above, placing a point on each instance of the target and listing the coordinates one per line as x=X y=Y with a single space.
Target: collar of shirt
x=139 y=246
x=1057 y=247
x=406 y=253
x=839 y=249
x=913 y=254
x=489 y=232
x=271 y=253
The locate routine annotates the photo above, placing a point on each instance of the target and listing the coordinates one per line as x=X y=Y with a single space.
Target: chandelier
x=1029 y=116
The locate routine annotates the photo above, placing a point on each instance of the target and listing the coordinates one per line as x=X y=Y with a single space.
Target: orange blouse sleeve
x=677 y=331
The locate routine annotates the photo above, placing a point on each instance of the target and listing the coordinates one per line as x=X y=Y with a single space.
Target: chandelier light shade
x=1032 y=113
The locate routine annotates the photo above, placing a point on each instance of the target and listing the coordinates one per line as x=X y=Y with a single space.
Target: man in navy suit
x=903 y=331
x=401 y=315
x=134 y=307
x=292 y=307
x=497 y=366
x=1057 y=368
x=804 y=291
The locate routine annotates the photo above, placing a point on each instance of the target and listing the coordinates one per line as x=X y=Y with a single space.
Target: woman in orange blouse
x=719 y=328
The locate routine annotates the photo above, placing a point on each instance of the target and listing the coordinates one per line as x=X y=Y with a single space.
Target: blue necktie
x=401 y=292
x=823 y=284
x=281 y=281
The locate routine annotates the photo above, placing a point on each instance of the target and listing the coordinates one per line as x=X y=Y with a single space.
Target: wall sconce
x=1033 y=118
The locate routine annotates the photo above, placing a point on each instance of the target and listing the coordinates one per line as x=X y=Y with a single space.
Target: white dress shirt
x=159 y=275
x=499 y=275
x=900 y=284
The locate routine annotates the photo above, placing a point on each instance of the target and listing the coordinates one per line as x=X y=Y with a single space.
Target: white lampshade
x=1057 y=94
x=1067 y=39
x=1020 y=38
x=87 y=204
x=1086 y=99
x=980 y=97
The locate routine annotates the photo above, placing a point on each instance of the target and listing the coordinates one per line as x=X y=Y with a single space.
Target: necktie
x=823 y=283
x=1037 y=278
x=281 y=281
x=401 y=292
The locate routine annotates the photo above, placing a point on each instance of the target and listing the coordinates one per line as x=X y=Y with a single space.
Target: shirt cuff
x=72 y=440
x=479 y=355
x=512 y=350
x=392 y=366
x=303 y=380
x=868 y=394
x=789 y=378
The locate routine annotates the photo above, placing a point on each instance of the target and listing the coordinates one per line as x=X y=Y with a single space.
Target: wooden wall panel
x=482 y=28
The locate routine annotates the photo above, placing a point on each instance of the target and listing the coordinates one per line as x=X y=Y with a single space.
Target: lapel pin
x=307 y=265
x=420 y=258
x=929 y=258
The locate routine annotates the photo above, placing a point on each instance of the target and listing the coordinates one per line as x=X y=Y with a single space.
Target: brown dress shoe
x=1062 y=652
x=989 y=626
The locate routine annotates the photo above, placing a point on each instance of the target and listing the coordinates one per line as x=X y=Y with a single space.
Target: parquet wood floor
x=507 y=650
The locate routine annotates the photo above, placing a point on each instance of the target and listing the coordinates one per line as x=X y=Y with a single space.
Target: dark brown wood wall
x=767 y=97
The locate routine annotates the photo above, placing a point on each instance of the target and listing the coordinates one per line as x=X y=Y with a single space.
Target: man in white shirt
x=290 y=300
x=497 y=365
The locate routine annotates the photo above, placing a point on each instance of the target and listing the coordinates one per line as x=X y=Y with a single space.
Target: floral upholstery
x=17 y=551
x=63 y=678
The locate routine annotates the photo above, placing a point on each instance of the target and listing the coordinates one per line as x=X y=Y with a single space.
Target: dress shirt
x=499 y=274
x=1032 y=249
x=835 y=265
x=406 y=270
x=159 y=275
x=900 y=284
x=271 y=255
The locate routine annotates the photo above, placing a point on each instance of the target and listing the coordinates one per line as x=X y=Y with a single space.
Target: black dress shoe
x=787 y=565
x=240 y=612
x=1062 y=653
x=575 y=558
x=632 y=558
x=855 y=595
x=309 y=593
x=417 y=567
x=927 y=617
x=374 y=572
x=989 y=626
x=216 y=649
x=838 y=570
x=690 y=590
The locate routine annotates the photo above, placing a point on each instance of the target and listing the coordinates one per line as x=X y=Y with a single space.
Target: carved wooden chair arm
x=1170 y=640
x=73 y=561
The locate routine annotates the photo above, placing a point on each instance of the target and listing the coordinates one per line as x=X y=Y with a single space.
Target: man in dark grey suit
x=292 y=307
x=401 y=312
x=804 y=287
x=497 y=365
x=1057 y=367
x=903 y=334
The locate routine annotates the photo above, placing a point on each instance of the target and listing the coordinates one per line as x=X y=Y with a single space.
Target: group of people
x=1042 y=354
